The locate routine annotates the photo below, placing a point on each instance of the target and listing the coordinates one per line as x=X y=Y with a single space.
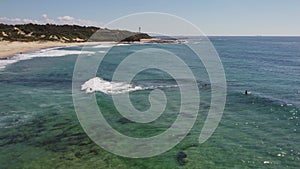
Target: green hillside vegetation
x=64 y=33
x=137 y=37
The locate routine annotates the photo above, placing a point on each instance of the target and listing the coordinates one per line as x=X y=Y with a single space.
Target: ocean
x=39 y=127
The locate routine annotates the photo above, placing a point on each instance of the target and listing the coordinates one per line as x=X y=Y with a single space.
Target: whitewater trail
x=107 y=87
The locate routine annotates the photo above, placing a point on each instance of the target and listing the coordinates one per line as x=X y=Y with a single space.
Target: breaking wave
x=51 y=52
x=107 y=87
x=98 y=84
x=109 y=45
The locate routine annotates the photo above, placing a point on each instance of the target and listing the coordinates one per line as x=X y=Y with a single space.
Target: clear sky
x=213 y=17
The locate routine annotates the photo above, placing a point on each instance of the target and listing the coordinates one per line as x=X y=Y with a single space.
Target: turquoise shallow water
x=39 y=127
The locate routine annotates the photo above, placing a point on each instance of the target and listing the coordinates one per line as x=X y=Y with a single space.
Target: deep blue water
x=39 y=127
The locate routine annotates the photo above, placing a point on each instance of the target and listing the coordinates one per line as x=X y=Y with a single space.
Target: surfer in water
x=246 y=92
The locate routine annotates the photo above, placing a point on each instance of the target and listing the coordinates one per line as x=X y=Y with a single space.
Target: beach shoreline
x=9 y=49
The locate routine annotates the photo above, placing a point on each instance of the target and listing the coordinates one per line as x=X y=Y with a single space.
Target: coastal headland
x=16 y=39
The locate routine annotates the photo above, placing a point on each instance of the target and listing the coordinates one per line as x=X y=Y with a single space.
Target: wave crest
x=98 y=84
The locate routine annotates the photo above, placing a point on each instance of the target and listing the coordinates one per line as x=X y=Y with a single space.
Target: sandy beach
x=9 y=49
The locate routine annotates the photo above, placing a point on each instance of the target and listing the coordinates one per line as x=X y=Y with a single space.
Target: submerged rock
x=78 y=154
x=180 y=158
x=123 y=120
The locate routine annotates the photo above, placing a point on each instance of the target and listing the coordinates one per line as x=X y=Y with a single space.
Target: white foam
x=52 y=52
x=98 y=84
x=107 y=87
x=109 y=45
x=103 y=46
x=122 y=44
